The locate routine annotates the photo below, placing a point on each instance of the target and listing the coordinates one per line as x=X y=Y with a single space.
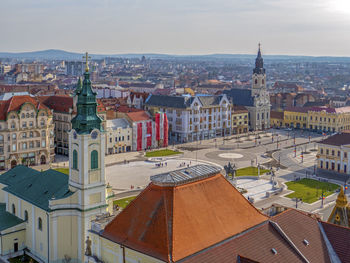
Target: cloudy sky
x=292 y=27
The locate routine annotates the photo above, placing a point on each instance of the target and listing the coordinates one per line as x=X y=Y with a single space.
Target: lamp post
x=297 y=200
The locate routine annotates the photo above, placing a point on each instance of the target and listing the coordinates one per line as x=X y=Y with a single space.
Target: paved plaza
x=130 y=171
x=256 y=188
x=135 y=175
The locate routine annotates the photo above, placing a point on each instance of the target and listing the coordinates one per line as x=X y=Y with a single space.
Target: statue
x=88 y=246
x=230 y=170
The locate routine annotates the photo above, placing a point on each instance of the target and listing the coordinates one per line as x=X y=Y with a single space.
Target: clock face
x=75 y=135
x=94 y=135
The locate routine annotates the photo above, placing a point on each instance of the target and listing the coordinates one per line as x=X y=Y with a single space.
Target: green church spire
x=86 y=119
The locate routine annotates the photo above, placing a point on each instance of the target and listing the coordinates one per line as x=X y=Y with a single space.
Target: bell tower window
x=256 y=81
x=75 y=159
x=94 y=159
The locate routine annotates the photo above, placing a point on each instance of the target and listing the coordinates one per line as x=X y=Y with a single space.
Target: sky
x=284 y=27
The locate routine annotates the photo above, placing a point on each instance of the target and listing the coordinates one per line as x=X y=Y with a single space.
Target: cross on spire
x=86 y=61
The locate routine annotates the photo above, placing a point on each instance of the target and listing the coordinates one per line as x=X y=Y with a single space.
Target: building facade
x=49 y=213
x=239 y=120
x=318 y=119
x=194 y=118
x=333 y=155
x=26 y=132
x=118 y=136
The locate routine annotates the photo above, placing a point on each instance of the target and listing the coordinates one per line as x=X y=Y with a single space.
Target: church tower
x=341 y=212
x=86 y=158
x=259 y=75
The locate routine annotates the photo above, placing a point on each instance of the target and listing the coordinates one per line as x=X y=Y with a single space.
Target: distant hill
x=65 y=55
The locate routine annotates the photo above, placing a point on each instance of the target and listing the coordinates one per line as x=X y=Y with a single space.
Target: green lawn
x=63 y=170
x=161 y=153
x=250 y=171
x=310 y=190
x=20 y=259
x=124 y=202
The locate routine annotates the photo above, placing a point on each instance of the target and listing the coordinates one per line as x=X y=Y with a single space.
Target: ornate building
x=26 y=132
x=48 y=213
x=256 y=100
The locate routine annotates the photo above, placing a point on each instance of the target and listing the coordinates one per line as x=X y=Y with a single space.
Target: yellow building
x=49 y=213
x=329 y=119
x=333 y=153
x=318 y=118
x=240 y=122
x=277 y=119
x=296 y=118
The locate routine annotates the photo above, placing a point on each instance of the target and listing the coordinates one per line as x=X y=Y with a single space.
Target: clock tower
x=86 y=159
x=259 y=75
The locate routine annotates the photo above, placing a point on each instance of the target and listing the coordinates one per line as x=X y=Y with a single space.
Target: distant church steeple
x=259 y=63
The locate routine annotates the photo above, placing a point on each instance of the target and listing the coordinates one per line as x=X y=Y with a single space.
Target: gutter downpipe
x=48 y=237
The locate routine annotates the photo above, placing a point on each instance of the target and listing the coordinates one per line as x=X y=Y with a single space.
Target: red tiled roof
x=339 y=237
x=138 y=116
x=299 y=226
x=126 y=109
x=277 y=115
x=16 y=102
x=64 y=103
x=59 y=103
x=337 y=139
x=297 y=109
x=239 y=109
x=257 y=243
x=173 y=222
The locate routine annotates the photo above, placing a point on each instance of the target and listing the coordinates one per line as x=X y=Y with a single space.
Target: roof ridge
x=276 y=226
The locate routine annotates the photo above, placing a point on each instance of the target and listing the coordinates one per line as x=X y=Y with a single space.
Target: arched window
x=27 y=115
x=32 y=115
x=256 y=81
x=94 y=159
x=13 y=209
x=40 y=224
x=263 y=81
x=75 y=159
x=23 y=115
x=25 y=215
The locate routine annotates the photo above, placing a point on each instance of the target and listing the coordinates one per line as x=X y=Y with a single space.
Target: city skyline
x=184 y=28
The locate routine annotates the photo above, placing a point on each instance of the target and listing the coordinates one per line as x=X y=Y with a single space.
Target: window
x=321 y=164
x=333 y=152
x=32 y=115
x=75 y=159
x=13 y=209
x=327 y=151
x=14 y=136
x=22 y=116
x=31 y=144
x=40 y=224
x=1 y=137
x=30 y=124
x=94 y=159
x=13 y=125
x=27 y=115
x=338 y=153
x=25 y=215
x=345 y=155
x=31 y=135
x=110 y=139
x=24 y=124
x=43 y=143
x=24 y=135
x=42 y=122
x=14 y=147
x=24 y=146
x=43 y=133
